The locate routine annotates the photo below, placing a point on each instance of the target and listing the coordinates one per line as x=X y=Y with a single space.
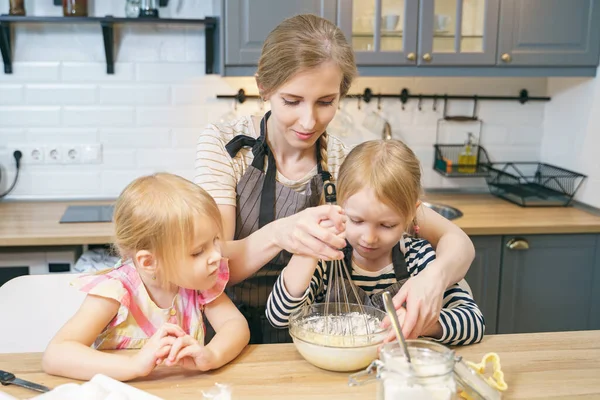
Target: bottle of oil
x=467 y=159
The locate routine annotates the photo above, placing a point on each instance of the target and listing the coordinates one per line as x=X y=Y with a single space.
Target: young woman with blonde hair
x=171 y=275
x=267 y=177
x=379 y=187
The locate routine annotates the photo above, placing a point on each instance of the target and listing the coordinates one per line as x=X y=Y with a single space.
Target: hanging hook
x=359 y=100
x=379 y=103
x=434 y=103
x=419 y=105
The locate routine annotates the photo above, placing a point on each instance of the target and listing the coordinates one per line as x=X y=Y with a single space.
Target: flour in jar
x=346 y=330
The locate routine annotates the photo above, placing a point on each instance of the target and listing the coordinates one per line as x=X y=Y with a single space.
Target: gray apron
x=375 y=299
x=261 y=200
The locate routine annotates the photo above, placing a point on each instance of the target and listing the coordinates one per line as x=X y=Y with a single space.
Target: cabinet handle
x=411 y=56
x=517 y=244
x=506 y=58
x=427 y=57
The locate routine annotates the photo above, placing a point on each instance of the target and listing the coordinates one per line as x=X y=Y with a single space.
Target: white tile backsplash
x=32 y=71
x=27 y=116
x=148 y=115
x=130 y=94
x=11 y=94
x=96 y=72
x=59 y=94
x=98 y=116
x=571 y=136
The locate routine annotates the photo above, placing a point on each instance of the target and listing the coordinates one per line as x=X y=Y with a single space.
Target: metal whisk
x=342 y=300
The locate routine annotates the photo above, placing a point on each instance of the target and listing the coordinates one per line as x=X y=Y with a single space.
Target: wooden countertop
x=558 y=365
x=36 y=223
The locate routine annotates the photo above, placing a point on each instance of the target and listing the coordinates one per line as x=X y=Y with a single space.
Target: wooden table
x=561 y=365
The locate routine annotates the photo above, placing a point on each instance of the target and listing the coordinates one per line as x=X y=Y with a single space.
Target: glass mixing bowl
x=341 y=340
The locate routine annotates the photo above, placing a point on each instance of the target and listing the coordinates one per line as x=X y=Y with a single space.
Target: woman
x=267 y=177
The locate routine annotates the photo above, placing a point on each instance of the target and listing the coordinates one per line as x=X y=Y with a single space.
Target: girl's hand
x=303 y=234
x=150 y=355
x=189 y=354
x=423 y=295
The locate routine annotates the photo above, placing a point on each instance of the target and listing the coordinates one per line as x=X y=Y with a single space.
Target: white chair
x=34 y=308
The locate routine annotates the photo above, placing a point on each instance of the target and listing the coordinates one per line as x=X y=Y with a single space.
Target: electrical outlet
x=30 y=154
x=71 y=154
x=91 y=154
x=53 y=154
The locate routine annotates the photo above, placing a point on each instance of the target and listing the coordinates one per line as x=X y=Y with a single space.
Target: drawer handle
x=506 y=58
x=411 y=56
x=427 y=57
x=517 y=244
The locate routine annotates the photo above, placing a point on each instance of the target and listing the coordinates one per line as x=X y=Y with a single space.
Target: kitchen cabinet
x=248 y=22
x=484 y=277
x=549 y=33
x=549 y=283
x=421 y=32
x=434 y=37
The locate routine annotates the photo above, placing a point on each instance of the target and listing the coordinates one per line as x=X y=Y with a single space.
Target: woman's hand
x=419 y=303
x=309 y=232
x=151 y=354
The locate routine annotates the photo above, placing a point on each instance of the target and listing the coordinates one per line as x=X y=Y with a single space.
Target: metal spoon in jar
x=391 y=312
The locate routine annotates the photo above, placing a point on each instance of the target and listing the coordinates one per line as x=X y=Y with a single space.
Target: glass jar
x=75 y=8
x=17 y=7
x=434 y=373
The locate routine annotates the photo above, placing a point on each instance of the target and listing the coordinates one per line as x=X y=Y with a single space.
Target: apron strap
x=260 y=149
x=399 y=263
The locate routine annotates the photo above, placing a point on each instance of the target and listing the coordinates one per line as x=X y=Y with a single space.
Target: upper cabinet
x=248 y=22
x=382 y=32
x=434 y=37
x=549 y=33
x=458 y=32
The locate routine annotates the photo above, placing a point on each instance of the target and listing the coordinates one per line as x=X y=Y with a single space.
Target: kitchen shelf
x=107 y=24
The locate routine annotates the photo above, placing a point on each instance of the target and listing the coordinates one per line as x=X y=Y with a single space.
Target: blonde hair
x=390 y=169
x=300 y=43
x=159 y=213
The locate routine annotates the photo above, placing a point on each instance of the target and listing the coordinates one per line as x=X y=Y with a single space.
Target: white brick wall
x=147 y=116
x=572 y=131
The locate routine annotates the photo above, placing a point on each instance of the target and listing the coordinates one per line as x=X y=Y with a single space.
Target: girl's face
x=200 y=267
x=372 y=229
x=302 y=108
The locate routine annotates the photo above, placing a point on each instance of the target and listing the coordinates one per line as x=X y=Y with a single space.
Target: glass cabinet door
x=382 y=32
x=458 y=32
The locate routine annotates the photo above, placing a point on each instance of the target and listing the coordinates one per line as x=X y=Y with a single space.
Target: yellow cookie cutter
x=496 y=380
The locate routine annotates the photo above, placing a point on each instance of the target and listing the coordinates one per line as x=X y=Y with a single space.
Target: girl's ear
x=418 y=204
x=146 y=262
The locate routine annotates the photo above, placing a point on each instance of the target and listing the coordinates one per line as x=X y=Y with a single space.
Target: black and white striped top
x=461 y=319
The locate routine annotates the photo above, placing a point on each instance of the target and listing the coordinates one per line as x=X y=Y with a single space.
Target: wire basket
x=446 y=161
x=533 y=184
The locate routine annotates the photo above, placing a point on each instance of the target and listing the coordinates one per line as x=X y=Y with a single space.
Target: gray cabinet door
x=380 y=32
x=549 y=33
x=484 y=277
x=458 y=32
x=248 y=22
x=549 y=286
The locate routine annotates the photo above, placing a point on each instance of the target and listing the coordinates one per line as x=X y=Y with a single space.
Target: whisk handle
x=330 y=193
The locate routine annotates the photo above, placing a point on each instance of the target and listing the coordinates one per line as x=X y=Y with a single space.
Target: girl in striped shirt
x=379 y=185
x=171 y=275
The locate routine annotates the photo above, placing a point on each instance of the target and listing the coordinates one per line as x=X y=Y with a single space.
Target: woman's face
x=302 y=108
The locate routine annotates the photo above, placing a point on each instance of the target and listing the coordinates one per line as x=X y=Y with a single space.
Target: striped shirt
x=218 y=173
x=461 y=320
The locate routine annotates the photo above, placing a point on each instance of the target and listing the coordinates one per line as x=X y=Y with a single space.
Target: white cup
x=440 y=22
x=389 y=22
